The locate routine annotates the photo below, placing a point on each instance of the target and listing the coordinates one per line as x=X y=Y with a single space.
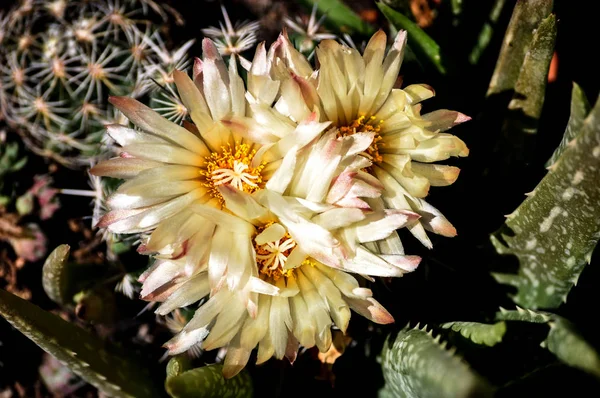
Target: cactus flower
x=357 y=94
x=296 y=242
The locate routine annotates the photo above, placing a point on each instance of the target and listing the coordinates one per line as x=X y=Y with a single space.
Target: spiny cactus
x=61 y=59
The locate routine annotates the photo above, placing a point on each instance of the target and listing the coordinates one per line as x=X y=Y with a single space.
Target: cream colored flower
x=169 y=167
x=265 y=214
x=356 y=94
x=277 y=262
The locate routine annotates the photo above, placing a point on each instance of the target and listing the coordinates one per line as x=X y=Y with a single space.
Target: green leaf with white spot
x=103 y=365
x=563 y=339
x=177 y=365
x=526 y=17
x=62 y=279
x=54 y=278
x=479 y=333
x=207 y=382
x=567 y=344
x=554 y=231
x=530 y=87
x=524 y=315
x=416 y=365
x=580 y=108
x=423 y=46
x=341 y=16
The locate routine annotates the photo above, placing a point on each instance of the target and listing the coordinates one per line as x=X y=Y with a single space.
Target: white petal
x=224 y=220
x=124 y=168
x=186 y=294
x=149 y=120
x=254 y=330
x=227 y=325
x=338 y=218
x=216 y=81
x=272 y=233
x=377 y=227
x=280 y=321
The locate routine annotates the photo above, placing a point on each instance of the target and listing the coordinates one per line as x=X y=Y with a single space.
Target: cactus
x=416 y=364
x=61 y=59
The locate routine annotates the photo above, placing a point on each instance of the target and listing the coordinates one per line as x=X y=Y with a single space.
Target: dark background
x=453 y=282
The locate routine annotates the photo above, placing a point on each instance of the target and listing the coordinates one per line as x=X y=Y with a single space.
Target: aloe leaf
x=530 y=87
x=523 y=315
x=580 y=107
x=54 y=280
x=208 y=382
x=177 y=365
x=105 y=366
x=416 y=365
x=563 y=339
x=568 y=345
x=485 y=36
x=62 y=279
x=342 y=16
x=479 y=333
x=554 y=231
x=526 y=17
x=424 y=46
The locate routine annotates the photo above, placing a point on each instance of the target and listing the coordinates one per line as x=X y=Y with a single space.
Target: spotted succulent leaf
x=570 y=347
x=206 y=382
x=554 y=231
x=54 y=279
x=526 y=17
x=479 y=333
x=563 y=339
x=62 y=279
x=415 y=364
x=530 y=87
x=107 y=367
x=524 y=315
x=580 y=108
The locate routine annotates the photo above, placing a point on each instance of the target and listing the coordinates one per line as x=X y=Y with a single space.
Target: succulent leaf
x=424 y=47
x=416 y=365
x=479 y=333
x=580 y=108
x=563 y=339
x=206 y=382
x=62 y=279
x=340 y=15
x=557 y=227
x=526 y=17
x=107 y=367
x=568 y=345
x=54 y=281
x=530 y=87
x=485 y=35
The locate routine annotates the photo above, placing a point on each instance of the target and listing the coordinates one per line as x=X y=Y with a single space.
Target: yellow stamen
x=232 y=166
x=366 y=125
x=272 y=256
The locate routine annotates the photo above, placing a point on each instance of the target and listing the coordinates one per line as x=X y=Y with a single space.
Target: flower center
x=232 y=166
x=366 y=125
x=272 y=256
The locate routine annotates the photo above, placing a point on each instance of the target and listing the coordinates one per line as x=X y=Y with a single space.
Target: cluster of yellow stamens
x=366 y=125
x=232 y=166
x=271 y=256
